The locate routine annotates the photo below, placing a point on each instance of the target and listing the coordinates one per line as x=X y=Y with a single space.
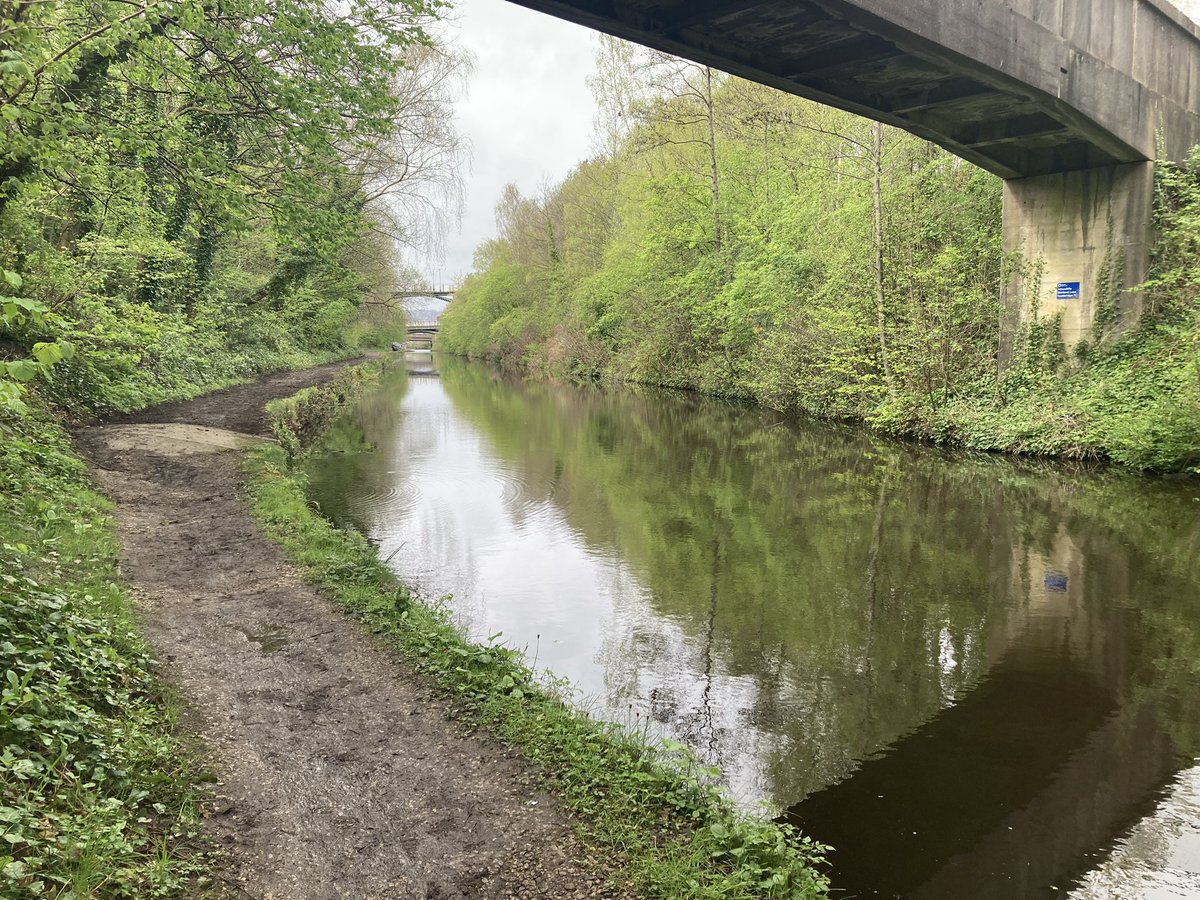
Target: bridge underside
x=421 y=335
x=445 y=296
x=846 y=56
x=1022 y=88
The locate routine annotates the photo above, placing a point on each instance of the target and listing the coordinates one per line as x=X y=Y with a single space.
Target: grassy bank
x=97 y=795
x=651 y=809
x=1134 y=402
x=300 y=420
x=153 y=248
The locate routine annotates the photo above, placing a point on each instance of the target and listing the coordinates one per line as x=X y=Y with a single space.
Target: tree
x=667 y=101
x=857 y=270
x=179 y=167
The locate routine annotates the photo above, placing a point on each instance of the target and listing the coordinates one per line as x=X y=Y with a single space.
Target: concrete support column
x=1089 y=228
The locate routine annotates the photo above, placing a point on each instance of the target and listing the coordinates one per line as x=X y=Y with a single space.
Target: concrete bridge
x=421 y=333
x=443 y=294
x=1069 y=101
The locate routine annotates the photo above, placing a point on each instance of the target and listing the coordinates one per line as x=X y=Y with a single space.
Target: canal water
x=975 y=677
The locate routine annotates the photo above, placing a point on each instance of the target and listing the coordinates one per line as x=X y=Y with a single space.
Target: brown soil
x=339 y=772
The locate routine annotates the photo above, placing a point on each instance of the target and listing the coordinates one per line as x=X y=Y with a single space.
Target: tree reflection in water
x=1005 y=651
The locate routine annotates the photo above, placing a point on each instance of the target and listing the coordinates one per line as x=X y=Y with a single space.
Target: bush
x=96 y=794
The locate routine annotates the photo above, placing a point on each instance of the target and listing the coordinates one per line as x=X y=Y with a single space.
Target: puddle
x=269 y=638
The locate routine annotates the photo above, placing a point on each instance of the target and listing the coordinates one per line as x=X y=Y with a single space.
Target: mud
x=339 y=773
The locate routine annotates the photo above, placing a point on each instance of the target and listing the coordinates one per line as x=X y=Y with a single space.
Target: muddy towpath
x=338 y=772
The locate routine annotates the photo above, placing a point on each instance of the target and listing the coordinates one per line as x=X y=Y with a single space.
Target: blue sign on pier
x=1067 y=290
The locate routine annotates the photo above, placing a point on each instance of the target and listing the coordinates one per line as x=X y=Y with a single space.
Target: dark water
x=974 y=677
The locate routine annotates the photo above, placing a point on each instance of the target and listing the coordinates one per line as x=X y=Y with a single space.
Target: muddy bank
x=339 y=773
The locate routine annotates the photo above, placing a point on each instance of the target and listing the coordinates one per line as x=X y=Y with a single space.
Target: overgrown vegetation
x=299 y=421
x=193 y=193
x=190 y=194
x=96 y=795
x=652 y=809
x=736 y=240
x=1134 y=399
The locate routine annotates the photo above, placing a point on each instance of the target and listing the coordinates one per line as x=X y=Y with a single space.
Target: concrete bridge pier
x=1091 y=229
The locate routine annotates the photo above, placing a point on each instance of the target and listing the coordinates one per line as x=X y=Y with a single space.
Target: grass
x=97 y=795
x=1134 y=402
x=652 y=809
x=300 y=420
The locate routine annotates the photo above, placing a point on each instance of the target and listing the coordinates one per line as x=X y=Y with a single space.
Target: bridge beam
x=1090 y=228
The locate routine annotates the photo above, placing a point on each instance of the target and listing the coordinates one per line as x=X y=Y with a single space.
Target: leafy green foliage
x=614 y=274
x=188 y=191
x=96 y=796
x=17 y=314
x=1135 y=398
x=785 y=309
x=653 y=810
x=186 y=195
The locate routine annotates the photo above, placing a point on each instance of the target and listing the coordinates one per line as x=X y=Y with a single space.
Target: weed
x=299 y=421
x=96 y=797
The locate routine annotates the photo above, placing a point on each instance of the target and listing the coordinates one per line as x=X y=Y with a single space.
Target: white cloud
x=528 y=113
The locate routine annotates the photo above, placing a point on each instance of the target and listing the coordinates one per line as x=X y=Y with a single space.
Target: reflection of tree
x=698 y=726
x=352 y=461
x=841 y=589
x=709 y=634
x=772 y=527
x=871 y=609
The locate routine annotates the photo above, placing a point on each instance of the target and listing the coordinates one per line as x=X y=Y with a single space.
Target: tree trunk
x=712 y=157
x=877 y=193
x=203 y=255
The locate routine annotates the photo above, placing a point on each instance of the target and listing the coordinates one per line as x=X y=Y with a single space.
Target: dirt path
x=339 y=773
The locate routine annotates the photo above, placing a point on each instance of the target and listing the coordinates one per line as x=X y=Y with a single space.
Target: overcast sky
x=528 y=113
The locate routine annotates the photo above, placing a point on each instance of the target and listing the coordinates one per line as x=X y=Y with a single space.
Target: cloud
x=528 y=113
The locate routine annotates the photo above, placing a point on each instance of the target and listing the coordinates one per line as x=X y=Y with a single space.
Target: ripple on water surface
x=512 y=487
x=1159 y=859
x=393 y=497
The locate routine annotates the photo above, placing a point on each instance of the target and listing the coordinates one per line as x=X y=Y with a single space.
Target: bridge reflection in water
x=420 y=365
x=969 y=675
x=1020 y=784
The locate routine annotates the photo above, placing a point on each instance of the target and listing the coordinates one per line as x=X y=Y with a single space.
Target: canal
x=974 y=676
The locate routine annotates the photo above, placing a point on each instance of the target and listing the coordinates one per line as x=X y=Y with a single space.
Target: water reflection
x=969 y=675
x=1159 y=859
x=420 y=364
